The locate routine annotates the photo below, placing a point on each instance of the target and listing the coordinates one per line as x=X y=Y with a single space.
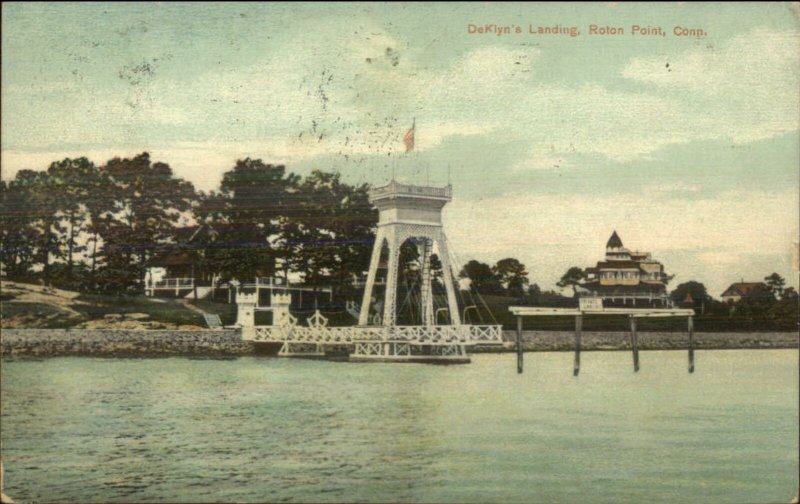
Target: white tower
x=408 y=212
x=245 y=313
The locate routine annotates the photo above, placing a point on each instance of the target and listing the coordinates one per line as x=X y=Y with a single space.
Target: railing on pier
x=417 y=335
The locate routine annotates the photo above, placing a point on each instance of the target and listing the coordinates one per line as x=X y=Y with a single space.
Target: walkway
x=212 y=319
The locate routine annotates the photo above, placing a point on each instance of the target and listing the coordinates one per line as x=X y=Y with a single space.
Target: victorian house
x=627 y=277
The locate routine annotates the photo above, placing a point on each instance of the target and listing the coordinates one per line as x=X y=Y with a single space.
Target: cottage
x=739 y=290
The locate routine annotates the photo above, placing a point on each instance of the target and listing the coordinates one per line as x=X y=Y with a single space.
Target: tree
x=74 y=183
x=481 y=277
x=18 y=233
x=254 y=197
x=696 y=290
x=42 y=205
x=572 y=278
x=757 y=303
x=775 y=283
x=512 y=276
x=148 y=201
x=329 y=233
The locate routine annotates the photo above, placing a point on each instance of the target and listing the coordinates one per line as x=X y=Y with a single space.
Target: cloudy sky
x=688 y=146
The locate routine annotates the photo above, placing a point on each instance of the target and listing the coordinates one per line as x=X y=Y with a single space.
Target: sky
x=687 y=145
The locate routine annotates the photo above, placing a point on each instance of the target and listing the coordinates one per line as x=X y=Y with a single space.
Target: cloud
x=354 y=92
x=745 y=63
x=551 y=232
x=747 y=86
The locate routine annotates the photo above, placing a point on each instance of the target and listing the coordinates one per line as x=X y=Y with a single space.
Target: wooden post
x=634 y=344
x=519 y=344
x=578 y=328
x=691 y=344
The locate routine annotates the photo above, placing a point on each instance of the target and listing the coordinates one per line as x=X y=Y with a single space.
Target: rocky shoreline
x=122 y=343
x=228 y=343
x=555 y=341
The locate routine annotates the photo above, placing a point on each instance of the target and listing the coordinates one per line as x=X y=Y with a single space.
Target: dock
x=594 y=306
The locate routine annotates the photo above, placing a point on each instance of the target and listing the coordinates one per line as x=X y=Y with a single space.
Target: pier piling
x=519 y=345
x=578 y=328
x=634 y=345
x=691 y=344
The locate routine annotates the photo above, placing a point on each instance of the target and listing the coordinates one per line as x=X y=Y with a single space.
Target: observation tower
x=407 y=214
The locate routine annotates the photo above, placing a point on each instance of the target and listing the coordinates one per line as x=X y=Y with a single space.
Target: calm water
x=261 y=429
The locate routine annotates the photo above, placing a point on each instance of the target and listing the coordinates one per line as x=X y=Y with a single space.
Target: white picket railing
x=171 y=283
x=418 y=335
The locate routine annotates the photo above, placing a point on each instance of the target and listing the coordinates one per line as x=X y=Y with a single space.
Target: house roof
x=614 y=241
x=743 y=288
x=171 y=258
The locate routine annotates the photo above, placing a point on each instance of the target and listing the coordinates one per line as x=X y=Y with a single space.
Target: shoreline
x=227 y=343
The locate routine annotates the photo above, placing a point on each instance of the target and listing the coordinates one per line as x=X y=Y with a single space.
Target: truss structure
x=383 y=343
x=406 y=213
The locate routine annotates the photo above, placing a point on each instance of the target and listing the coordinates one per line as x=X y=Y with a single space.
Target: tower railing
x=396 y=188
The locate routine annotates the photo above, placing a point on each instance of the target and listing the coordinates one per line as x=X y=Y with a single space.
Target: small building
x=176 y=269
x=739 y=290
x=627 y=277
x=179 y=270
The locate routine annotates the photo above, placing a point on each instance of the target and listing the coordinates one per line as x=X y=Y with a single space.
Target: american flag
x=408 y=139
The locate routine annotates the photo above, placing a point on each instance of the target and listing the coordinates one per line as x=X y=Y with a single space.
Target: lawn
x=226 y=312
x=159 y=310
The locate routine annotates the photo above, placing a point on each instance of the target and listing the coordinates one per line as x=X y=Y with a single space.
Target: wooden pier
x=594 y=306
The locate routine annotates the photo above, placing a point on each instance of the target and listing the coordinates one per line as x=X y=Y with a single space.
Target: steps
x=212 y=320
x=352 y=309
x=202 y=293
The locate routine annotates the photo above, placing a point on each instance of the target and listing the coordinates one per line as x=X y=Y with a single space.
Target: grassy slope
x=92 y=307
x=226 y=312
x=167 y=311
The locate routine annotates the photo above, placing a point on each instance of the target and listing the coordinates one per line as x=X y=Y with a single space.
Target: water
x=262 y=429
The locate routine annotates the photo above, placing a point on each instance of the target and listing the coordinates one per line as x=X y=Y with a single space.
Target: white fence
x=171 y=283
x=418 y=335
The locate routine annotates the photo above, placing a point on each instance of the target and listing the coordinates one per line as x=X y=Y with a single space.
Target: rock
x=137 y=316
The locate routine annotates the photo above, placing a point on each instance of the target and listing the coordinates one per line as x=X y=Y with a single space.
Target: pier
x=407 y=214
x=594 y=306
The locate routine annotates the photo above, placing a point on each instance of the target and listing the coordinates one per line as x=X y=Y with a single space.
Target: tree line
x=96 y=228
